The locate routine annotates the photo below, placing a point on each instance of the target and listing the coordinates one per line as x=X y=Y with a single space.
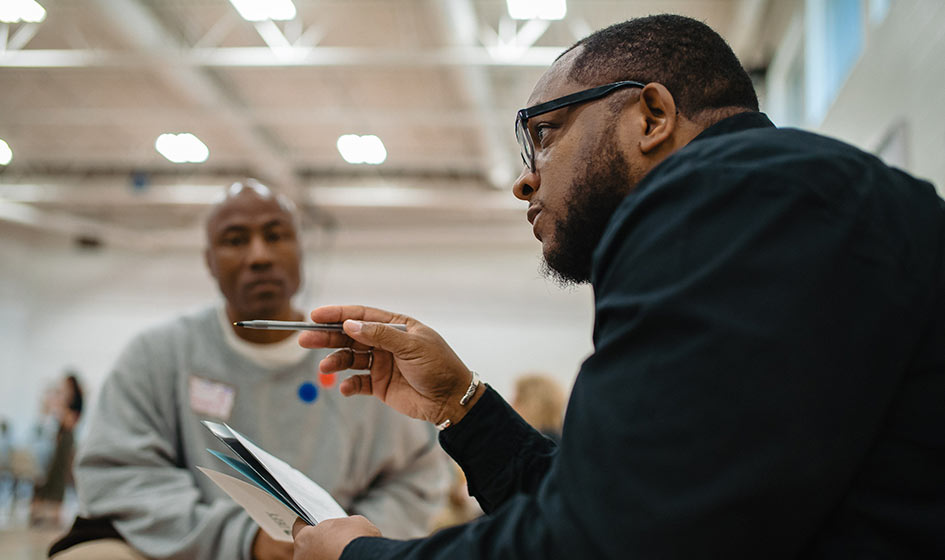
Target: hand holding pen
x=300 y=326
x=414 y=371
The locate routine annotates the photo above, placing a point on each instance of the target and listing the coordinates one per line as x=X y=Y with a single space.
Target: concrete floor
x=19 y=540
x=26 y=543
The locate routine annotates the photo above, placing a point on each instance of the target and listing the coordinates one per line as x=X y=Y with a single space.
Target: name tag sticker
x=211 y=398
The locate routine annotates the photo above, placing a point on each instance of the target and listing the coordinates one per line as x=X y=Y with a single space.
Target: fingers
x=377 y=335
x=356 y=385
x=339 y=313
x=346 y=358
x=298 y=526
x=323 y=339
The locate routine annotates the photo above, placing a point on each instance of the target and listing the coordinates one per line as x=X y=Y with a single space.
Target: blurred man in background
x=136 y=476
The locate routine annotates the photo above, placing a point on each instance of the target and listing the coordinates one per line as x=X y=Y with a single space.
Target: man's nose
x=526 y=184
x=260 y=253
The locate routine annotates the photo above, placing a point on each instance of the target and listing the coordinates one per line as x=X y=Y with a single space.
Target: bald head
x=253 y=252
x=252 y=187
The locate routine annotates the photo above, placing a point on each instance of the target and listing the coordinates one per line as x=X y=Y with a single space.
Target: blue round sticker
x=308 y=392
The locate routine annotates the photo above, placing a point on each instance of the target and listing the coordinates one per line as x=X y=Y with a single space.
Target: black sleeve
x=750 y=335
x=500 y=453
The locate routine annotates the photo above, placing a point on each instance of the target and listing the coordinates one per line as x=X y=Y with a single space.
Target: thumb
x=378 y=335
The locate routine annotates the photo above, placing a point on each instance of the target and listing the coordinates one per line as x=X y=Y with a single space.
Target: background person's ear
x=659 y=113
x=209 y=262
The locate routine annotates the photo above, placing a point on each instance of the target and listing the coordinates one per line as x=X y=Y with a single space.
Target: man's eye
x=540 y=133
x=232 y=241
x=278 y=234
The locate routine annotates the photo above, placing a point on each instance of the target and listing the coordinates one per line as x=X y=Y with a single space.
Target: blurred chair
x=25 y=471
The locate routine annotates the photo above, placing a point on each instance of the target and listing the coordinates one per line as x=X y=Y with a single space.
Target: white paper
x=311 y=497
x=270 y=514
x=219 y=430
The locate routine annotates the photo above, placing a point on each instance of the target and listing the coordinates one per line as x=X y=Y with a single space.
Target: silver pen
x=302 y=326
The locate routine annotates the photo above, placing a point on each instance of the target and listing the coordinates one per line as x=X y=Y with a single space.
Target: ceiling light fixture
x=15 y=11
x=537 y=9
x=6 y=154
x=362 y=149
x=262 y=10
x=182 y=148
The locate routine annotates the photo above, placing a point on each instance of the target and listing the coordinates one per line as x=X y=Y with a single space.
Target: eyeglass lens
x=524 y=142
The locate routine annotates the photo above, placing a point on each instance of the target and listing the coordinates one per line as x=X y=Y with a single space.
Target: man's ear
x=658 y=109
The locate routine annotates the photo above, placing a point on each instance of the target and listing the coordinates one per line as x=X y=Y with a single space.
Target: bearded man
x=768 y=369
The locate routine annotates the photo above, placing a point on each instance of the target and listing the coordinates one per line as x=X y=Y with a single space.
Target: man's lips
x=263 y=283
x=532 y=213
x=532 y=216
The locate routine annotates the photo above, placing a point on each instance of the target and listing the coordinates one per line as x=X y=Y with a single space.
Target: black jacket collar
x=736 y=123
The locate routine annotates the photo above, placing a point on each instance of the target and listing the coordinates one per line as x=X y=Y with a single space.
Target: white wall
x=62 y=307
x=891 y=101
x=899 y=80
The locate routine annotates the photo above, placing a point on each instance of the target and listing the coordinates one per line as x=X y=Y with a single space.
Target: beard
x=592 y=201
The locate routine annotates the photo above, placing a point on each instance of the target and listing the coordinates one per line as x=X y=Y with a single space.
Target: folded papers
x=276 y=493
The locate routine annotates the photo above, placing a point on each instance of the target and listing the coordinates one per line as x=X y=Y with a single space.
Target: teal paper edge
x=245 y=470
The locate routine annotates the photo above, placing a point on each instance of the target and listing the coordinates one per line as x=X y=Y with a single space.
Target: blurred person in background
x=7 y=480
x=65 y=405
x=460 y=506
x=46 y=429
x=139 y=490
x=540 y=400
x=6 y=446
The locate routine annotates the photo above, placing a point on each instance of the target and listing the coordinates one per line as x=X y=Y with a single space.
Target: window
x=834 y=40
x=878 y=10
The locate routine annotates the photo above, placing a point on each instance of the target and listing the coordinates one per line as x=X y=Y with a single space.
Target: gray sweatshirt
x=137 y=462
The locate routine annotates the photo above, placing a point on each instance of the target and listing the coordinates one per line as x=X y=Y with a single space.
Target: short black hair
x=694 y=63
x=75 y=401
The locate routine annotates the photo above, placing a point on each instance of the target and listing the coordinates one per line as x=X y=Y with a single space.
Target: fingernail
x=354 y=327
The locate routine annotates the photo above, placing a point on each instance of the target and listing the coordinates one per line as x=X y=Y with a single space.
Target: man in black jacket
x=769 y=364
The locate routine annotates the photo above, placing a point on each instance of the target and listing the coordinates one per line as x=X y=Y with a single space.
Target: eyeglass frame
x=523 y=135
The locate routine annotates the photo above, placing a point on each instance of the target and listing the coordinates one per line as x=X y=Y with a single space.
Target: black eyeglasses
x=524 y=138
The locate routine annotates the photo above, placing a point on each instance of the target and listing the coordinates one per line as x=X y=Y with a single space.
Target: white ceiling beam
x=462 y=31
x=272 y=35
x=27 y=204
x=312 y=35
x=308 y=116
x=22 y=36
x=142 y=29
x=217 y=31
x=427 y=194
x=512 y=42
x=505 y=234
x=534 y=57
x=502 y=236
x=108 y=193
x=64 y=223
